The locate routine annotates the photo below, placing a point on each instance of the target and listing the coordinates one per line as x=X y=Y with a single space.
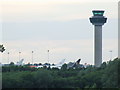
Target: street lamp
x=19 y=55
x=110 y=54
x=8 y=57
x=48 y=56
x=32 y=56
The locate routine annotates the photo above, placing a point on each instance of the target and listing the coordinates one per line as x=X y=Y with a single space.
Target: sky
x=60 y=26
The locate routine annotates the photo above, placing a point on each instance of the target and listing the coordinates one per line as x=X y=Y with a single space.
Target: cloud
x=31 y=11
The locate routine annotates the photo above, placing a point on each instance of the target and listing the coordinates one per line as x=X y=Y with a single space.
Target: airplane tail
x=76 y=63
x=61 y=62
x=20 y=62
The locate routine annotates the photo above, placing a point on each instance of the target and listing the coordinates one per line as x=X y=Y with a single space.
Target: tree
x=105 y=76
x=64 y=67
x=11 y=63
x=103 y=65
x=2 y=48
x=43 y=79
x=40 y=64
x=94 y=86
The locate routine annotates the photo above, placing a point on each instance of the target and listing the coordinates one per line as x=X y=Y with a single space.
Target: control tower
x=98 y=20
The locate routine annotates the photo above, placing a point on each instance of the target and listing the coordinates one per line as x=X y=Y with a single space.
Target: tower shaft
x=98 y=45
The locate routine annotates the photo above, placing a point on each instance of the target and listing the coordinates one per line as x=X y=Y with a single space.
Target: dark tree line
x=106 y=76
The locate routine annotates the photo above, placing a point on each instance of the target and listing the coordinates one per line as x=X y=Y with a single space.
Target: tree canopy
x=105 y=76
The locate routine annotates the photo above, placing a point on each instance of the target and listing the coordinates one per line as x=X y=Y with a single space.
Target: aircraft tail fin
x=61 y=62
x=76 y=63
x=20 y=62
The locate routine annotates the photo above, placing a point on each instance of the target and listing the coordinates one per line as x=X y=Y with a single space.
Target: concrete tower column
x=98 y=45
x=98 y=20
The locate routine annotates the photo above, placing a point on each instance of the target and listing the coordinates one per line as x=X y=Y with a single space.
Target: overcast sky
x=61 y=26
